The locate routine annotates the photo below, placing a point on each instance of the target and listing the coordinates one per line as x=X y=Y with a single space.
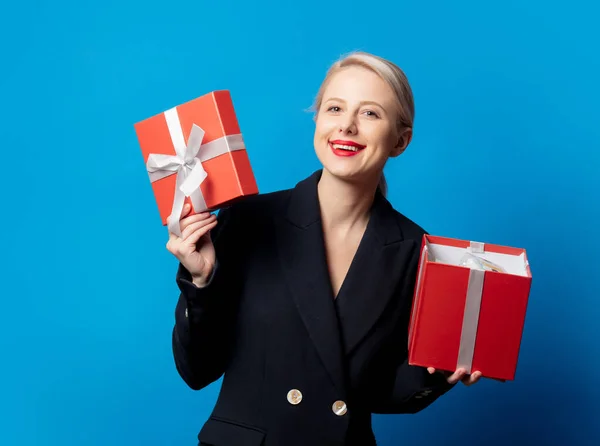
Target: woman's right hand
x=194 y=249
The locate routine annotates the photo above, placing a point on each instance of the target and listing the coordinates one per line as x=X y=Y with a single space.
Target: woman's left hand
x=459 y=375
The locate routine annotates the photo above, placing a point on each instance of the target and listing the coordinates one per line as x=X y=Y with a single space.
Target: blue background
x=506 y=150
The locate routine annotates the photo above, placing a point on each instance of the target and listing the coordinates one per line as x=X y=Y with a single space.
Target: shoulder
x=407 y=228
x=410 y=229
x=257 y=209
x=245 y=221
x=412 y=239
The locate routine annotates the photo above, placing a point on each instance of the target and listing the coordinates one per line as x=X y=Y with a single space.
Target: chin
x=343 y=172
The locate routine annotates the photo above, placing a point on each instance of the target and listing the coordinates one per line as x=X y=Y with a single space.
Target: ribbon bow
x=186 y=164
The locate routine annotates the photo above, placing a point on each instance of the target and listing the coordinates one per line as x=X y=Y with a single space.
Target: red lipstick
x=345 y=148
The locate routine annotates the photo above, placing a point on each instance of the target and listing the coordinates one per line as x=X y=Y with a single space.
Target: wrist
x=199 y=281
x=203 y=280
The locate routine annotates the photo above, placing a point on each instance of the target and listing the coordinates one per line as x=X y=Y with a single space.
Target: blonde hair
x=390 y=73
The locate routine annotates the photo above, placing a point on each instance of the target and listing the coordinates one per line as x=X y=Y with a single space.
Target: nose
x=348 y=126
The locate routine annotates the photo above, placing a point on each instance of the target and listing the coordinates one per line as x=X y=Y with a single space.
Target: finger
x=431 y=370
x=174 y=246
x=196 y=235
x=185 y=222
x=186 y=210
x=457 y=376
x=173 y=243
x=193 y=227
x=469 y=380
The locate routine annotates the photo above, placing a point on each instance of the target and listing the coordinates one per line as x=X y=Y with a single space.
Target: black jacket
x=300 y=367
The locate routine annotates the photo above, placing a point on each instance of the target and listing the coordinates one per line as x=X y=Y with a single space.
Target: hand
x=459 y=375
x=194 y=248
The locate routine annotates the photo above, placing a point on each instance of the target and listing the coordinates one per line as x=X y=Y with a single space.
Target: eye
x=334 y=108
x=371 y=114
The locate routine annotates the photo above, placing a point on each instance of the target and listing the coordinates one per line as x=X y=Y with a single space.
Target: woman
x=301 y=298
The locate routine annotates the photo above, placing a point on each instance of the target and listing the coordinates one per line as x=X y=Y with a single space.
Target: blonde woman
x=300 y=298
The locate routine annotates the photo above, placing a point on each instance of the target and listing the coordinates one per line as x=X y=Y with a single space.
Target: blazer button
x=186 y=313
x=294 y=396
x=339 y=408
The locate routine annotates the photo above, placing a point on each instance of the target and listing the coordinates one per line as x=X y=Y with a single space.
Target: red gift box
x=195 y=153
x=469 y=317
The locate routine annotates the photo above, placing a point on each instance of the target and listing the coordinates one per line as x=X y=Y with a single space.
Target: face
x=356 y=130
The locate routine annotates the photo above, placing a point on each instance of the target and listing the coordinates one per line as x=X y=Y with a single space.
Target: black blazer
x=300 y=367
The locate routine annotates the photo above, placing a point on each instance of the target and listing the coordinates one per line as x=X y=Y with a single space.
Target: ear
x=404 y=140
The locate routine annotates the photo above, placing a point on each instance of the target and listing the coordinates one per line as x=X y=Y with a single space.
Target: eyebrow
x=361 y=103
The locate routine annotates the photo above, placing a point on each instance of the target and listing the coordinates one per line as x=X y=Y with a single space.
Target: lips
x=345 y=148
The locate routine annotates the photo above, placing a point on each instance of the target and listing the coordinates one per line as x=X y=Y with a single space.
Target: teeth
x=343 y=147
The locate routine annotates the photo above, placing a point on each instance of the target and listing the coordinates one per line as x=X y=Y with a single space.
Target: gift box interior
x=512 y=260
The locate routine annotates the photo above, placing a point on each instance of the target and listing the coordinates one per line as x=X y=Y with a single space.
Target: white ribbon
x=470 y=320
x=187 y=165
x=471 y=313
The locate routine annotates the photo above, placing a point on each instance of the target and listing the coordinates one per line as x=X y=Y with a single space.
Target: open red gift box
x=466 y=316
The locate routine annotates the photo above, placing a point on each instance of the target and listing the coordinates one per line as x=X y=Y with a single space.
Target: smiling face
x=356 y=125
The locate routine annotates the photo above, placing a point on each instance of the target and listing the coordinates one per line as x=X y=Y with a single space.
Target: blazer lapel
x=302 y=249
x=375 y=275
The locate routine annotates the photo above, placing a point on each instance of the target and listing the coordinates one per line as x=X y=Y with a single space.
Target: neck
x=344 y=204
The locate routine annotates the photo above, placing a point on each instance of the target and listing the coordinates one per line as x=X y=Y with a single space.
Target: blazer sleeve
x=399 y=387
x=203 y=334
x=412 y=390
